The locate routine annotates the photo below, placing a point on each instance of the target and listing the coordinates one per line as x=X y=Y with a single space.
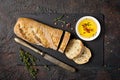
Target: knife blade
x=46 y=56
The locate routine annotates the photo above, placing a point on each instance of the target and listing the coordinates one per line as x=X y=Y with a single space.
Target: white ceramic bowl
x=98 y=28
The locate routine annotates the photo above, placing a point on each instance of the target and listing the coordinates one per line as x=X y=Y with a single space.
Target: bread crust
x=64 y=42
x=38 y=33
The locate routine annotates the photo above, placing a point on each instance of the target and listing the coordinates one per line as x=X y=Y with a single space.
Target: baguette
x=64 y=42
x=38 y=33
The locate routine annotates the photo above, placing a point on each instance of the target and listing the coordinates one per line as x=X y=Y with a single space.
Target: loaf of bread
x=74 y=48
x=84 y=57
x=64 y=42
x=38 y=33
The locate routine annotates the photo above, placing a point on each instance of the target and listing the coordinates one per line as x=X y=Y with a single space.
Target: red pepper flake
x=86 y=28
x=68 y=25
x=74 y=20
x=84 y=32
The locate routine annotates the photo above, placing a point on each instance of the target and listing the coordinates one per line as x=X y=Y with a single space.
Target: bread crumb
x=55 y=23
x=62 y=25
x=111 y=51
x=71 y=28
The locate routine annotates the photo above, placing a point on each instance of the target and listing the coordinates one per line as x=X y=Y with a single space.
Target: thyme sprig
x=59 y=19
x=29 y=61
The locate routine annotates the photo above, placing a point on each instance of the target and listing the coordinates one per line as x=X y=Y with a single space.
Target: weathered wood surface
x=10 y=10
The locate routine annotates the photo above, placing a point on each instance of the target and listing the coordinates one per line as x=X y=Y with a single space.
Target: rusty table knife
x=46 y=56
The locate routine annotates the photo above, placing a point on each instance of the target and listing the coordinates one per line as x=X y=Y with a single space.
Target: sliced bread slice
x=64 y=42
x=74 y=48
x=84 y=58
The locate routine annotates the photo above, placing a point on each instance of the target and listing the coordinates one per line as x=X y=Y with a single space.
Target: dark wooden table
x=10 y=11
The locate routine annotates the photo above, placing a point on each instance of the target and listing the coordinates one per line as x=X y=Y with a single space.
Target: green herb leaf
x=59 y=19
x=29 y=62
x=64 y=22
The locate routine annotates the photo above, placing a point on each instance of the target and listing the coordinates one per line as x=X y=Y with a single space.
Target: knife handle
x=27 y=45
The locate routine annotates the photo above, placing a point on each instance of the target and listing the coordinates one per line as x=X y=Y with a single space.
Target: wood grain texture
x=10 y=10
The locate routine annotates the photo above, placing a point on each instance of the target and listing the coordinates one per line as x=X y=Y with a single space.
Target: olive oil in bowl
x=88 y=28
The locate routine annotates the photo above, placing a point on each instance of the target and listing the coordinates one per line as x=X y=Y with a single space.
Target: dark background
x=10 y=10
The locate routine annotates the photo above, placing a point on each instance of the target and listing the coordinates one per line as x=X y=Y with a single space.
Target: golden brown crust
x=38 y=33
x=64 y=42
